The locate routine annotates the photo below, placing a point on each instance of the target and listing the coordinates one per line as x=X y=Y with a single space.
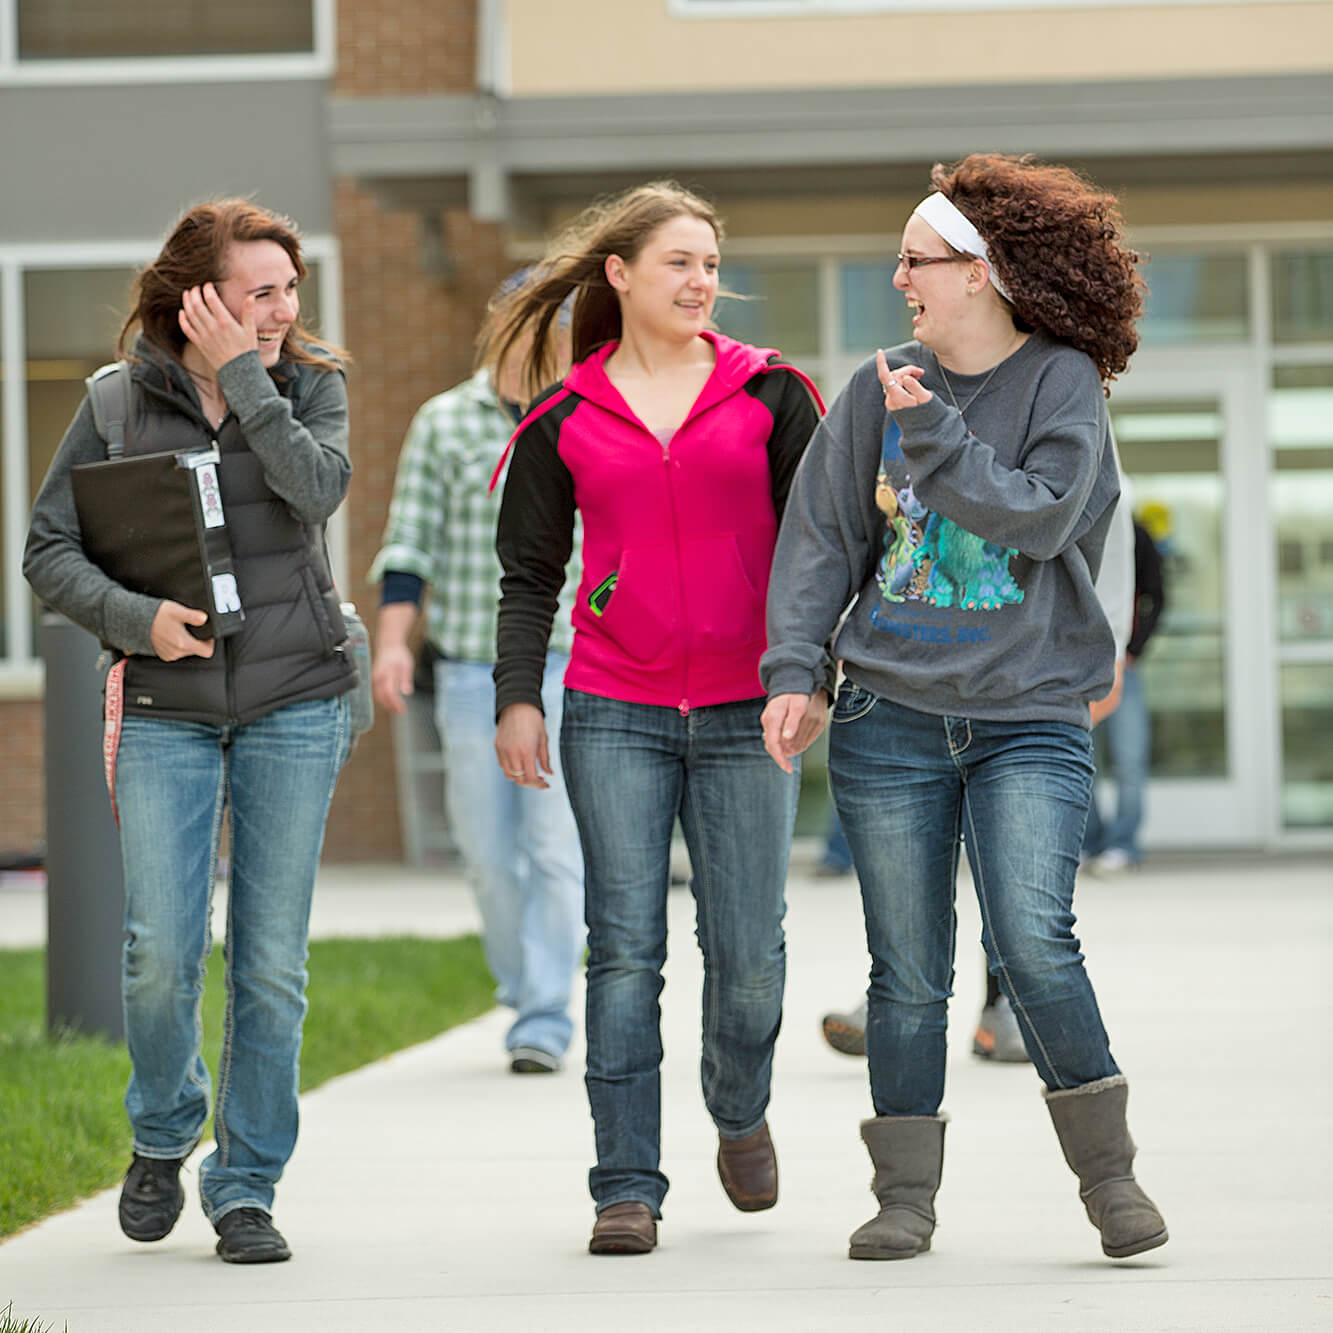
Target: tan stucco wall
x=823 y=219
x=638 y=46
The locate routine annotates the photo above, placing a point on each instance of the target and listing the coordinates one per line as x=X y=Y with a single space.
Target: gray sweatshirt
x=968 y=549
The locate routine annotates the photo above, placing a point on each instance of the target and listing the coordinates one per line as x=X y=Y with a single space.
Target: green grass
x=7 y=1324
x=63 y=1132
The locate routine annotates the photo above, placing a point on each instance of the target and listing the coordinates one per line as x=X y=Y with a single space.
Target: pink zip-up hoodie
x=678 y=533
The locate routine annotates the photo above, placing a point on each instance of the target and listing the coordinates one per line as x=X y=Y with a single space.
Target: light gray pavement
x=435 y=1191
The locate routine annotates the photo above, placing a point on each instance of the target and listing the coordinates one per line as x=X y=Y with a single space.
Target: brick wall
x=405 y=47
x=409 y=332
x=22 y=781
x=410 y=335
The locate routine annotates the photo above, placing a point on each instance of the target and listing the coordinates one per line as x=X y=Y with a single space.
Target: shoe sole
x=876 y=1252
x=147 y=1237
x=850 y=1041
x=254 y=1257
x=1137 y=1247
x=621 y=1242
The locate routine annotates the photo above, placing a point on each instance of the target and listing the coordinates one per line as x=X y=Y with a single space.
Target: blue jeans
x=522 y=853
x=632 y=769
x=173 y=782
x=1128 y=744
x=909 y=788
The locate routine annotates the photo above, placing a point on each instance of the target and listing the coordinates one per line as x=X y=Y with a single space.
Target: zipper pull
x=683 y=708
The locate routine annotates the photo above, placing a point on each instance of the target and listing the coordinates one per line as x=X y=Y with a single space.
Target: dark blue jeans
x=630 y=770
x=910 y=788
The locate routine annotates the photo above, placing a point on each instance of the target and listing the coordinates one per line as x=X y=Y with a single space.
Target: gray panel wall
x=122 y=162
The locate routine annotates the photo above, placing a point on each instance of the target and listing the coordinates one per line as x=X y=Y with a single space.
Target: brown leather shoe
x=748 y=1169
x=624 y=1228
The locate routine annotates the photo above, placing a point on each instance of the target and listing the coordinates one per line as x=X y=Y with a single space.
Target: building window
x=93 y=29
x=1302 y=286
x=778 y=306
x=1196 y=298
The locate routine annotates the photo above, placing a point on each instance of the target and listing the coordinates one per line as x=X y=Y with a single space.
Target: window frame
x=318 y=63
x=734 y=9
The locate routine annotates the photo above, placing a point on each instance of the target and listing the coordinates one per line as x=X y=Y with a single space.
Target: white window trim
x=318 y=63
x=742 y=9
x=20 y=670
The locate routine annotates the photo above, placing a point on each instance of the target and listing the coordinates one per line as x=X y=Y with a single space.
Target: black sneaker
x=151 y=1198
x=248 y=1236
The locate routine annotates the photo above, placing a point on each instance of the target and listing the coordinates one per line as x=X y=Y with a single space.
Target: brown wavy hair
x=196 y=253
x=575 y=262
x=1056 y=242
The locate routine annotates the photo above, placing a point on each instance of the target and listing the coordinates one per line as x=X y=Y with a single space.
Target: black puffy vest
x=290 y=648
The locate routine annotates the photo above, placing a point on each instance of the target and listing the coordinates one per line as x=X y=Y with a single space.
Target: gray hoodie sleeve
x=305 y=459
x=1035 y=508
x=53 y=559
x=825 y=547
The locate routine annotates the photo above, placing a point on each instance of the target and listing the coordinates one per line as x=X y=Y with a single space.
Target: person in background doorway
x=1112 y=845
x=520 y=845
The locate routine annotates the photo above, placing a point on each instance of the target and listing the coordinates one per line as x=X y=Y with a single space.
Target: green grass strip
x=63 y=1131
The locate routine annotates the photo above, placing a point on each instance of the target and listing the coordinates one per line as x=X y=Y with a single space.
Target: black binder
x=154 y=523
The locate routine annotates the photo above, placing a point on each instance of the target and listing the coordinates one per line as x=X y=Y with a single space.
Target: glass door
x=1196 y=476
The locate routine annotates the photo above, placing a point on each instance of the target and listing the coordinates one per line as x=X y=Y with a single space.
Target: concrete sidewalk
x=436 y=1191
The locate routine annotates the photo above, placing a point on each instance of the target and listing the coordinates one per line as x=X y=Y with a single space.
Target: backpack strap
x=109 y=395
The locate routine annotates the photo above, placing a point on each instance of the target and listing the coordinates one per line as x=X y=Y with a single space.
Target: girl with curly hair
x=963 y=716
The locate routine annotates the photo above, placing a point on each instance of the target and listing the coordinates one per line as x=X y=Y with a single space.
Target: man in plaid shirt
x=520 y=844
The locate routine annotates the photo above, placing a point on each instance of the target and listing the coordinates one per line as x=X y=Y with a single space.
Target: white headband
x=953 y=226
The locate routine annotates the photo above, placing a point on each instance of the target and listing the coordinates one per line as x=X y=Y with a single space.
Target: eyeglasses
x=917 y=261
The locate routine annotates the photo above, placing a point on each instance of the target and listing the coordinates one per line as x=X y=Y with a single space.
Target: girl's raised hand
x=902 y=385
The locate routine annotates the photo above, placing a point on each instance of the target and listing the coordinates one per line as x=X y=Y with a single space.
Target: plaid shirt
x=442 y=521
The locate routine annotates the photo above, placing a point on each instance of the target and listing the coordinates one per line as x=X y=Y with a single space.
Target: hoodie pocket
x=718 y=610
x=642 y=614
x=723 y=606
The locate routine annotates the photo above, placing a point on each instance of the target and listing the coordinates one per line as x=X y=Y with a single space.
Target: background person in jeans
x=960 y=490
x=676 y=446
x=1112 y=844
x=520 y=846
x=253 y=727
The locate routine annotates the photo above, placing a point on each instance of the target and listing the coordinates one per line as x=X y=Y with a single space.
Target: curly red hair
x=1055 y=241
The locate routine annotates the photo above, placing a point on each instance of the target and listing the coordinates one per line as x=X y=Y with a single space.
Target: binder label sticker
x=226 y=597
x=210 y=498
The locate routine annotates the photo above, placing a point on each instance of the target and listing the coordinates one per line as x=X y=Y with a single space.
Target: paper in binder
x=154 y=523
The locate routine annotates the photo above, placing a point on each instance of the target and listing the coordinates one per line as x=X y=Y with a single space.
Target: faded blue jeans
x=631 y=770
x=910 y=787
x=1128 y=738
x=173 y=782
x=522 y=853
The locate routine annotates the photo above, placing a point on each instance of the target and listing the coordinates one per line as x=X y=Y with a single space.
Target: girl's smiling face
x=670 y=287
x=264 y=270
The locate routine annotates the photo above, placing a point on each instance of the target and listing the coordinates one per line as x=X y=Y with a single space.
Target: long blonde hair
x=575 y=263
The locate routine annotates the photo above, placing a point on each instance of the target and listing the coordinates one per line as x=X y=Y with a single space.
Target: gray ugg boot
x=908 y=1152
x=1090 y=1123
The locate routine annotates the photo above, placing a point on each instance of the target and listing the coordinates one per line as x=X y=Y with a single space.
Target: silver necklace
x=962 y=411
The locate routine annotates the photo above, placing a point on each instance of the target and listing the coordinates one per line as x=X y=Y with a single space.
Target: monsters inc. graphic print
x=929 y=558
